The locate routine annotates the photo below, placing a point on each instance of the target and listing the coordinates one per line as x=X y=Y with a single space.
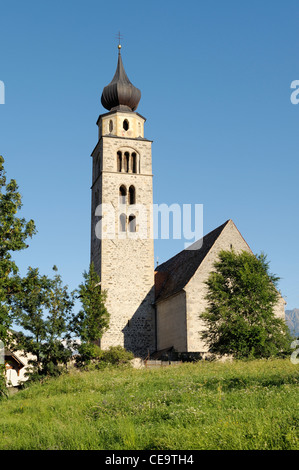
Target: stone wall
x=171 y=323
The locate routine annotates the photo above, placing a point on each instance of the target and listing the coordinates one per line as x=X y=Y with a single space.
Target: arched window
x=122 y=194
x=127 y=161
x=126 y=124
x=122 y=222
x=119 y=161
x=132 y=223
x=132 y=195
x=110 y=125
x=134 y=162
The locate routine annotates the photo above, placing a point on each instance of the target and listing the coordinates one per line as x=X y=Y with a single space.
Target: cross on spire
x=119 y=37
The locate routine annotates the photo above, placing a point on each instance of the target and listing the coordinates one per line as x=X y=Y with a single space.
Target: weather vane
x=119 y=37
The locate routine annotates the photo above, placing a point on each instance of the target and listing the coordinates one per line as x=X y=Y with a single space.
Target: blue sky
x=215 y=80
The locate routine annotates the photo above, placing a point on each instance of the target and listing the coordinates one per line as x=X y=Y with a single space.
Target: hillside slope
x=240 y=405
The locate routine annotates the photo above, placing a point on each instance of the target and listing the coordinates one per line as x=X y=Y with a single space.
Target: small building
x=16 y=365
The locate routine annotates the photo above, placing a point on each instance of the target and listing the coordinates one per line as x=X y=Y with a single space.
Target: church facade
x=149 y=311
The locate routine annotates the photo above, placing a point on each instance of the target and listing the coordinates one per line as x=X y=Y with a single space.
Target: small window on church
x=132 y=198
x=134 y=162
x=132 y=223
x=110 y=125
x=122 y=222
x=126 y=124
x=122 y=195
x=127 y=161
x=119 y=161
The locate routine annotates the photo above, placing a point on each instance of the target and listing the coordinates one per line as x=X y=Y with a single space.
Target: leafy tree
x=14 y=232
x=92 y=320
x=240 y=319
x=43 y=308
x=58 y=347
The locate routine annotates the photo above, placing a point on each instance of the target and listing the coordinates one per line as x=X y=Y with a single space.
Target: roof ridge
x=181 y=267
x=188 y=249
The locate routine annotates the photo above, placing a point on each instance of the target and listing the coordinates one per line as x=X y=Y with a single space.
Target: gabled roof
x=10 y=355
x=173 y=275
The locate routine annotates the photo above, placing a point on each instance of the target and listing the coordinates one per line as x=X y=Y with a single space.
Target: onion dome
x=120 y=94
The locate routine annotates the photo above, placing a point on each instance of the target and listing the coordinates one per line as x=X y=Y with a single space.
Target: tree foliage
x=14 y=232
x=93 y=318
x=43 y=308
x=240 y=318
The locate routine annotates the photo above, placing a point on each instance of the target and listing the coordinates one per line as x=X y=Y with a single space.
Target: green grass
x=244 y=405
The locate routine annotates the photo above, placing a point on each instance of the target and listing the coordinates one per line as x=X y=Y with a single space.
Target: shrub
x=116 y=355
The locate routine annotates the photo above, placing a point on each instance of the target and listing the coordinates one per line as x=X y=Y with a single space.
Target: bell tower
x=122 y=247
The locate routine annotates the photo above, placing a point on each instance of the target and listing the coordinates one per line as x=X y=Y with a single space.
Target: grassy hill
x=244 y=405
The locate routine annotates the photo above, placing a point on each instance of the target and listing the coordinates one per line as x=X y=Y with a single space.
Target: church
x=150 y=310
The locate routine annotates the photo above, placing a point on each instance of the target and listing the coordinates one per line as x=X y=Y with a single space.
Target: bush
x=92 y=357
x=116 y=355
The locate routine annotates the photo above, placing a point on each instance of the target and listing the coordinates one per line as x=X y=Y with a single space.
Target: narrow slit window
x=126 y=124
x=119 y=161
x=127 y=161
x=134 y=162
x=132 y=195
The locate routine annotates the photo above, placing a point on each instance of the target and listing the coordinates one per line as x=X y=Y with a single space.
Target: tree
x=240 y=319
x=43 y=308
x=93 y=319
x=58 y=347
x=14 y=232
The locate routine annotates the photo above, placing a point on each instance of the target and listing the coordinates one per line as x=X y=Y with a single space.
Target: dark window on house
x=126 y=124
